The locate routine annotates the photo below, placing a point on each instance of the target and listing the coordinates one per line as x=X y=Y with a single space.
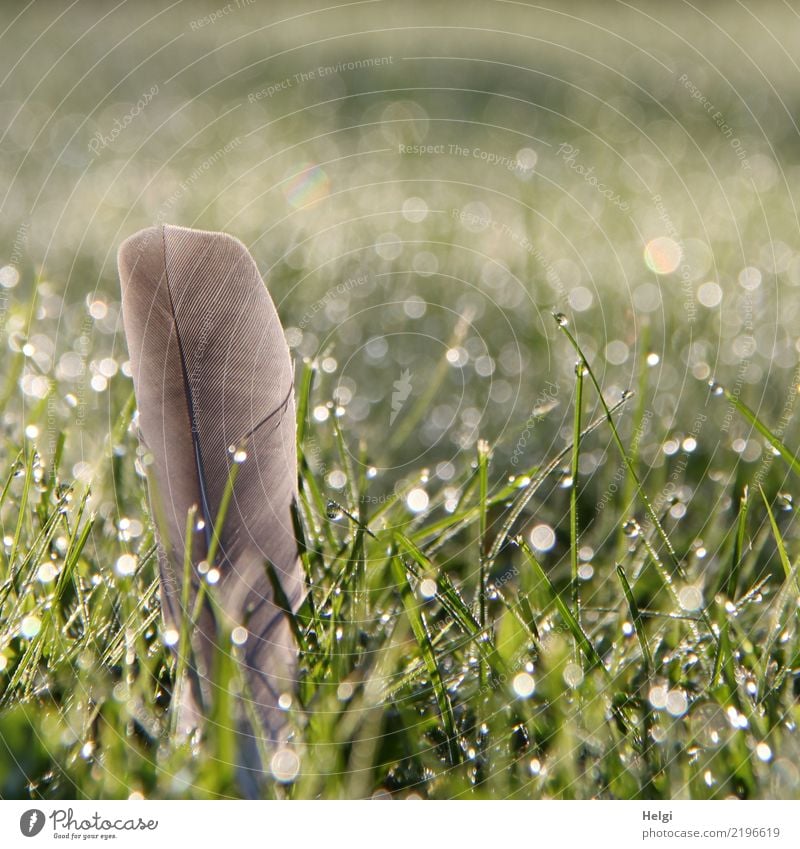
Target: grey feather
x=211 y=370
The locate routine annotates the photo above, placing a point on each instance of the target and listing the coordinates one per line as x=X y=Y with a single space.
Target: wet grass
x=450 y=650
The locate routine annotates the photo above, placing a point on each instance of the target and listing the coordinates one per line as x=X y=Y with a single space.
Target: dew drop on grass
x=543 y=537
x=417 y=500
x=561 y=319
x=285 y=765
x=333 y=511
x=171 y=637
x=677 y=703
x=239 y=635
x=690 y=597
x=573 y=675
x=427 y=588
x=126 y=565
x=30 y=627
x=715 y=388
x=764 y=752
x=523 y=685
x=46 y=572
x=344 y=692
x=785 y=501
x=631 y=528
x=657 y=696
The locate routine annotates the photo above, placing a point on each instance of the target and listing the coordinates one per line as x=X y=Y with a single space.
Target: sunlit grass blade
x=526 y=493
x=573 y=493
x=420 y=630
x=636 y=618
x=791 y=459
x=623 y=453
x=784 y=557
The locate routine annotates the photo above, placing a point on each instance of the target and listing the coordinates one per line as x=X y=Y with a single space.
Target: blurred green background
x=559 y=143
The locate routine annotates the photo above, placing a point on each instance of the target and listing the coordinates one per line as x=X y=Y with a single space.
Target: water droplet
x=427 y=588
x=46 y=572
x=523 y=685
x=239 y=456
x=30 y=627
x=626 y=393
x=417 y=500
x=715 y=388
x=285 y=765
x=561 y=319
x=333 y=511
x=657 y=696
x=573 y=675
x=344 y=692
x=126 y=565
x=785 y=501
x=543 y=537
x=677 y=703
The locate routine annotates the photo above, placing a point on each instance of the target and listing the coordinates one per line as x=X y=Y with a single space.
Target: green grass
x=652 y=649
x=440 y=654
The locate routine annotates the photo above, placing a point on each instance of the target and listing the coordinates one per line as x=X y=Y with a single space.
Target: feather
x=211 y=370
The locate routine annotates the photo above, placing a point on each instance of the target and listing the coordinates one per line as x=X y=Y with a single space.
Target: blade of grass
x=638 y=621
x=784 y=557
x=573 y=494
x=526 y=493
x=791 y=459
x=581 y=639
x=623 y=453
